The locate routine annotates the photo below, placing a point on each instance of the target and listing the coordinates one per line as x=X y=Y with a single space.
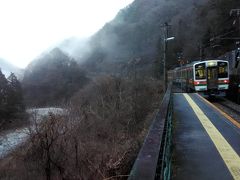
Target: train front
x=211 y=77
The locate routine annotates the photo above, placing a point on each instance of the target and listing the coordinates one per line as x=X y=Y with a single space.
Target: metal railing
x=154 y=158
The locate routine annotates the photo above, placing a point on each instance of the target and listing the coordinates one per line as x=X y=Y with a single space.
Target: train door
x=212 y=78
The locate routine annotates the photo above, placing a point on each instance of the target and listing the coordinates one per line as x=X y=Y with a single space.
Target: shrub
x=98 y=137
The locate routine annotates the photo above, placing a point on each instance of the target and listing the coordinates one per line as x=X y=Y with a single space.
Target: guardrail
x=154 y=158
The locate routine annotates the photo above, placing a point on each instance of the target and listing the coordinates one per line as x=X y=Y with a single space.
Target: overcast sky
x=28 y=27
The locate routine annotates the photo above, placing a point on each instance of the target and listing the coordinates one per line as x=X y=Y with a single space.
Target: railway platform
x=206 y=142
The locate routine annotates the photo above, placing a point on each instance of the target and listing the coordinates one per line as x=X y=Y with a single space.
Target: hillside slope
x=52 y=79
x=137 y=33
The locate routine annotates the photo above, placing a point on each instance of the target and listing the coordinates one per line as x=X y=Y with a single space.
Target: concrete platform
x=206 y=144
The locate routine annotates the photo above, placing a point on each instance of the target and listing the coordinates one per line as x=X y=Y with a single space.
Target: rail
x=154 y=158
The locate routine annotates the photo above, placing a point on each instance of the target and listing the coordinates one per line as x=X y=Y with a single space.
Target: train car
x=209 y=76
x=233 y=57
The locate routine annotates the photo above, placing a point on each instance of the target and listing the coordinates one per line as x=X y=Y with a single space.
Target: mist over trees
x=136 y=32
x=132 y=42
x=52 y=79
x=75 y=47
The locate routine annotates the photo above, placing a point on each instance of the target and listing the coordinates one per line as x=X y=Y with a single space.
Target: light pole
x=166 y=39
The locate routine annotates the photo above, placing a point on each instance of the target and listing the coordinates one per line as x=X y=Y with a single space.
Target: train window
x=200 y=71
x=222 y=70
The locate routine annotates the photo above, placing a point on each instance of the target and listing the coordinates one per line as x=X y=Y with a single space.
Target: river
x=12 y=139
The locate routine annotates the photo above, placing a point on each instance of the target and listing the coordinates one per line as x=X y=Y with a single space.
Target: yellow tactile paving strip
x=229 y=156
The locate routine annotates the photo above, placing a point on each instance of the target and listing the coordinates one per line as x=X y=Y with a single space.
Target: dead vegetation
x=98 y=138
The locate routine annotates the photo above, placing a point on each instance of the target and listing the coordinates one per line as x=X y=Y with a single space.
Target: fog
x=29 y=27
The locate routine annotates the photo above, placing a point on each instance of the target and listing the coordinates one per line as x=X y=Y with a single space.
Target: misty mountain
x=134 y=40
x=75 y=47
x=7 y=68
x=52 y=79
x=136 y=34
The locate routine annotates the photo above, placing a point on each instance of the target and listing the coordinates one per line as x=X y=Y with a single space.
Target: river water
x=12 y=139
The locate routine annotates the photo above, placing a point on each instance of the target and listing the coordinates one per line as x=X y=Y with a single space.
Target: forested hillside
x=137 y=33
x=132 y=43
x=52 y=79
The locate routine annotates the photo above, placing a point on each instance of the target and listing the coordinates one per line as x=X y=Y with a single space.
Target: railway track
x=232 y=108
x=229 y=107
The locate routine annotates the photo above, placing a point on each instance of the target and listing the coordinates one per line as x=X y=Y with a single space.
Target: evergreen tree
x=15 y=104
x=3 y=97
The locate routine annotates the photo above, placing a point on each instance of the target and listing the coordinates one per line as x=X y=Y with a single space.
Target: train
x=233 y=57
x=209 y=77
